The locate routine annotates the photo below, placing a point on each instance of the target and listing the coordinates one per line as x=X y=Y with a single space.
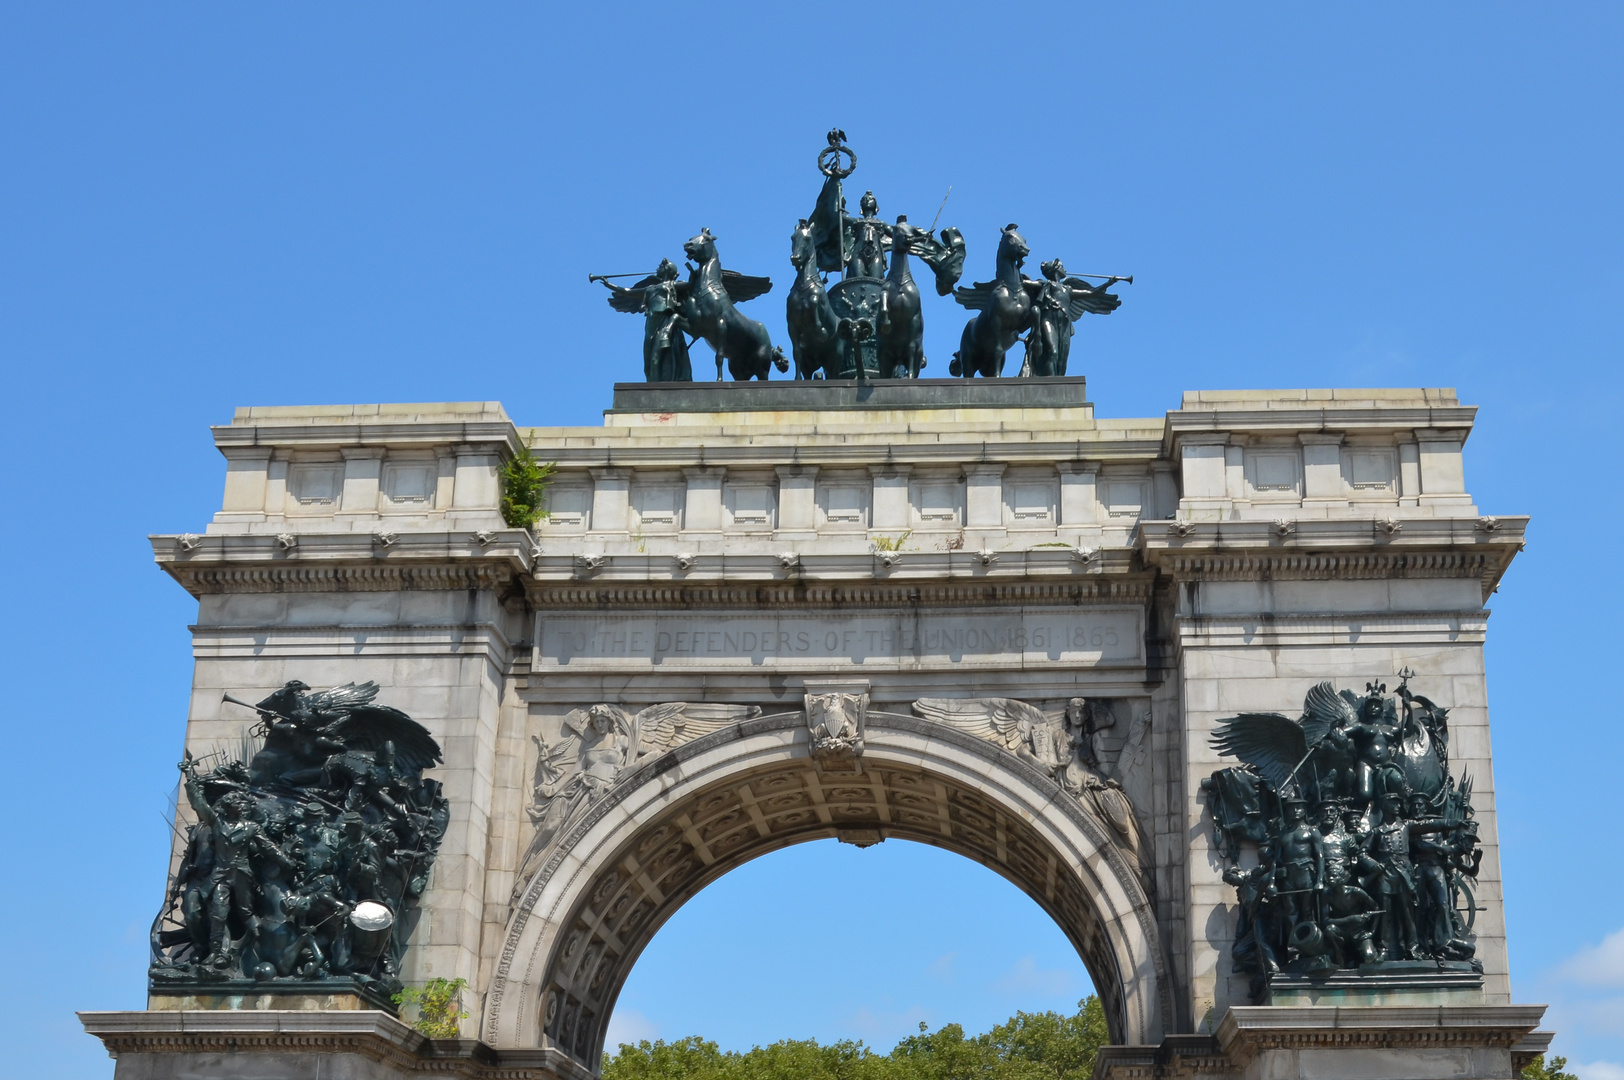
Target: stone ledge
x=1247 y=1030
x=1435 y=396
x=783 y=395
x=1321 y=1042
x=303 y=1045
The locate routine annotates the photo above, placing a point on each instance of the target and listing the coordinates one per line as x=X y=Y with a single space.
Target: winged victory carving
x=596 y=746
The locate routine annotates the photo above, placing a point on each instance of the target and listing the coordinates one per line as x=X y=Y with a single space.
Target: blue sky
x=206 y=206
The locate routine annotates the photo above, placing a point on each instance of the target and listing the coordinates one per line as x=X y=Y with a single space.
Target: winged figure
x=1424 y=750
x=1056 y=742
x=659 y=298
x=1277 y=746
x=596 y=746
x=305 y=730
x=1022 y=729
x=1012 y=304
x=1058 y=303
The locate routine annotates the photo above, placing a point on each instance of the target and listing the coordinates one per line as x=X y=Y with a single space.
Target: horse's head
x=904 y=236
x=1012 y=246
x=801 y=247
x=702 y=248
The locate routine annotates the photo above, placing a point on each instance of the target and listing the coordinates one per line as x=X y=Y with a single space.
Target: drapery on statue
x=596 y=746
x=1011 y=305
x=659 y=298
x=869 y=324
x=307 y=861
x=1364 y=842
x=1060 y=744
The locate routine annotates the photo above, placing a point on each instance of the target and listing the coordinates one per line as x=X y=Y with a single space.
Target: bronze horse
x=711 y=314
x=902 y=326
x=813 y=334
x=1003 y=309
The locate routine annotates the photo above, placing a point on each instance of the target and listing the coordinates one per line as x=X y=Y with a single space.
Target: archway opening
x=694 y=814
x=824 y=940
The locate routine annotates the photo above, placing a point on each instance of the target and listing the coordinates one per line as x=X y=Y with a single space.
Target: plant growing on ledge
x=436 y=1002
x=892 y=543
x=524 y=488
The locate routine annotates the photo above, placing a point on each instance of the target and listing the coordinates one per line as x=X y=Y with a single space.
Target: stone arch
x=689 y=816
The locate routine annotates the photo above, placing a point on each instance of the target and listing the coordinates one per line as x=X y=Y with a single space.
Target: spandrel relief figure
x=1386 y=876
x=1059 y=743
x=330 y=819
x=594 y=748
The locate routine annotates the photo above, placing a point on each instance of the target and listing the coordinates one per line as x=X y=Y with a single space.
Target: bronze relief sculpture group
x=1348 y=841
x=310 y=849
x=869 y=324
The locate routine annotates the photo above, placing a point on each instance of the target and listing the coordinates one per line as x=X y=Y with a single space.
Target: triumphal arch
x=1209 y=687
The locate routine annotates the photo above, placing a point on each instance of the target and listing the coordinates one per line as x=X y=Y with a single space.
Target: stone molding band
x=832 y=595
x=1351 y=566
x=314 y=1035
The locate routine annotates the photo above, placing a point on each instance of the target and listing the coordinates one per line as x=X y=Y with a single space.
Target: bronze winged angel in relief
x=312 y=732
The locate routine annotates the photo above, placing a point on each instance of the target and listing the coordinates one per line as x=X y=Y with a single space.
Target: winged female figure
x=306 y=729
x=1056 y=742
x=598 y=745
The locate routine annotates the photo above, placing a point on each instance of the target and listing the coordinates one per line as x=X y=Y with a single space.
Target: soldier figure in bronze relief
x=1385 y=877
x=288 y=846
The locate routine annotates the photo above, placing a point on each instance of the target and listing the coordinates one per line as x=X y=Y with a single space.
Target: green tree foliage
x=1555 y=1069
x=524 y=489
x=1029 y=1046
x=436 y=1002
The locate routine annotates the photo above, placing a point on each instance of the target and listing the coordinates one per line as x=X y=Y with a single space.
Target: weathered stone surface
x=1240 y=549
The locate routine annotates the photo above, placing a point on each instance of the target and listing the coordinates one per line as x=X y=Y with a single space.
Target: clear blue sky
x=206 y=206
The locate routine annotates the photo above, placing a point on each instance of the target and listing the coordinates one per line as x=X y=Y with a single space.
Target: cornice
x=343 y=562
x=306 y=578
x=1096 y=589
x=1285 y=420
x=1246 y=1031
x=1325 y=566
x=1335 y=549
x=396 y=432
x=373 y=1035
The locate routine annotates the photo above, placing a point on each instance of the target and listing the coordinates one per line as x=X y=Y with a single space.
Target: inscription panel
x=1007 y=638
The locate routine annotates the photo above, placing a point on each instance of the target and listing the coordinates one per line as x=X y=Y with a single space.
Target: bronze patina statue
x=870 y=323
x=1011 y=305
x=701 y=307
x=306 y=861
x=659 y=297
x=1364 y=844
